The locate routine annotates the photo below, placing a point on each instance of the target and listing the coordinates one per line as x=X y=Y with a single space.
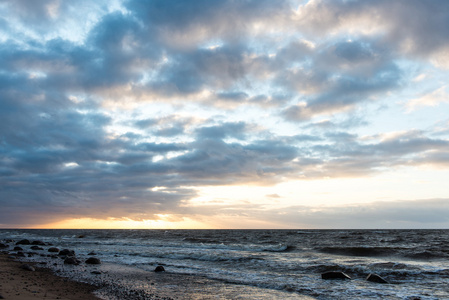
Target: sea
x=250 y=264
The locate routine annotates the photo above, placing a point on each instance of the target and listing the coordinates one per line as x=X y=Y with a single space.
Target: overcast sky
x=224 y=114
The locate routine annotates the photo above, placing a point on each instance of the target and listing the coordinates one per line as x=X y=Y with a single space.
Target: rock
x=36 y=248
x=20 y=254
x=96 y=272
x=71 y=261
x=3 y=246
x=376 y=278
x=23 y=242
x=17 y=248
x=40 y=243
x=27 y=267
x=93 y=261
x=53 y=249
x=334 y=275
x=81 y=236
x=92 y=253
x=67 y=252
x=159 y=269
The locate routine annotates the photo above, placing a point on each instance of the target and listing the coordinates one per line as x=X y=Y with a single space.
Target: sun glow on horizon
x=126 y=223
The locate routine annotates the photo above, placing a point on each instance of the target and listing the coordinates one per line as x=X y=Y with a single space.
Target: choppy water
x=280 y=263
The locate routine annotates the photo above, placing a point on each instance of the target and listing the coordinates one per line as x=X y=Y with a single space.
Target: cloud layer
x=123 y=109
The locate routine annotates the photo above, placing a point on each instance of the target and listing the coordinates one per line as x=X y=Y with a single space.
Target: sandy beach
x=20 y=284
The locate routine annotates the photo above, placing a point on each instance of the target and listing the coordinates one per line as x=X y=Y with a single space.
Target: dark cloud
x=340 y=77
x=412 y=27
x=181 y=25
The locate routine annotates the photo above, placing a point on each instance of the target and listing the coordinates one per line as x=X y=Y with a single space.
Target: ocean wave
x=360 y=251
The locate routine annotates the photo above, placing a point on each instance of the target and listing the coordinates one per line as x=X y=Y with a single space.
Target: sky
x=224 y=114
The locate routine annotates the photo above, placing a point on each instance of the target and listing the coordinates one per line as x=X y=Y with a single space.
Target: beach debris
x=159 y=269
x=36 y=248
x=66 y=252
x=39 y=243
x=53 y=249
x=334 y=275
x=93 y=261
x=23 y=242
x=71 y=261
x=27 y=267
x=376 y=278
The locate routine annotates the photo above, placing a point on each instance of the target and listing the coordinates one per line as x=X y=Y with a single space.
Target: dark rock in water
x=81 y=236
x=92 y=253
x=27 y=267
x=40 y=243
x=36 y=248
x=376 y=278
x=23 y=242
x=17 y=248
x=159 y=269
x=71 y=261
x=93 y=261
x=96 y=272
x=2 y=246
x=334 y=275
x=20 y=254
x=67 y=252
x=53 y=249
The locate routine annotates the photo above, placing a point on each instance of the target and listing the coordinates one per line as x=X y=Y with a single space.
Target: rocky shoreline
x=31 y=269
x=73 y=276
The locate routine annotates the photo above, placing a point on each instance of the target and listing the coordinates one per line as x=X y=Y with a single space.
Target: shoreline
x=20 y=284
x=67 y=282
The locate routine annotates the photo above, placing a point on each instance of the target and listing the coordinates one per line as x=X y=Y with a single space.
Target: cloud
x=411 y=27
x=397 y=214
x=433 y=98
x=185 y=25
x=426 y=213
x=340 y=77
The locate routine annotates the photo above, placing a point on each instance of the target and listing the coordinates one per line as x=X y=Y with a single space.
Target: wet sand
x=19 y=284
